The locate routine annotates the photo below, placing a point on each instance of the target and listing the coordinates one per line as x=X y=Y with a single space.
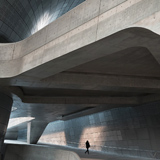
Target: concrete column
x=35 y=130
x=5 y=110
x=29 y=132
x=1 y=147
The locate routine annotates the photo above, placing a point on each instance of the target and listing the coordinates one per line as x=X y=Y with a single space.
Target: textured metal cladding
x=5 y=109
x=5 y=101
x=20 y=19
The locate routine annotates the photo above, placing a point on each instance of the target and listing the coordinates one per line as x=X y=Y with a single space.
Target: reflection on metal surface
x=44 y=20
x=14 y=108
x=20 y=19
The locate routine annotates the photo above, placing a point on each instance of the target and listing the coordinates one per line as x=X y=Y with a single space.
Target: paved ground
x=94 y=155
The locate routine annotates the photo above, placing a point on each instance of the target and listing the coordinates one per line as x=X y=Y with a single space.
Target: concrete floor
x=94 y=155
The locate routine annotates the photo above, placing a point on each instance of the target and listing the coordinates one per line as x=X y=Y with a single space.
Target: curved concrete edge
x=64 y=37
x=132 y=37
x=35 y=152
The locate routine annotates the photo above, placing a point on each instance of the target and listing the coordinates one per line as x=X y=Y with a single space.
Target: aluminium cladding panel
x=20 y=19
x=120 y=131
x=3 y=128
x=5 y=101
x=4 y=115
x=5 y=109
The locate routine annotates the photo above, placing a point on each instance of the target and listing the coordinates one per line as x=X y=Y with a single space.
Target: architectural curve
x=65 y=41
x=21 y=19
x=99 y=56
x=37 y=57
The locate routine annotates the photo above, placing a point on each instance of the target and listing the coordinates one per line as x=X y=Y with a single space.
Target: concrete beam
x=92 y=100
x=80 y=100
x=149 y=98
x=89 y=82
x=120 y=41
x=77 y=46
x=103 y=82
x=5 y=110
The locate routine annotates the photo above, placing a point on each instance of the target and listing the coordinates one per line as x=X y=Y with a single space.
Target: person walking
x=87 y=146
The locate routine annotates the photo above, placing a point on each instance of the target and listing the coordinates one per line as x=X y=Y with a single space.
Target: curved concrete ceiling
x=20 y=19
x=85 y=40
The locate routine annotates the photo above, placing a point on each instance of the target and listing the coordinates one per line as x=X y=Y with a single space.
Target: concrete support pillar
x=35 y=130
x=29 y=132
x=5 y=110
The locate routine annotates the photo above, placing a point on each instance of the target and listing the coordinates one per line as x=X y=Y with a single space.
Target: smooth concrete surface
x=33 y=152
x=20 y=19
x=31 y=53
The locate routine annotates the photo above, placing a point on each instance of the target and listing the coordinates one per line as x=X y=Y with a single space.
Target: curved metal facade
x=5 y=110
x=20 y=19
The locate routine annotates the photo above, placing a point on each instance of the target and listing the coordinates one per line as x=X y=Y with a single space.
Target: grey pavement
x=95 y=155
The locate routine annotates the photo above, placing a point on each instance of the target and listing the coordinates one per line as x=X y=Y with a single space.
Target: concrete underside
x=99 y=56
